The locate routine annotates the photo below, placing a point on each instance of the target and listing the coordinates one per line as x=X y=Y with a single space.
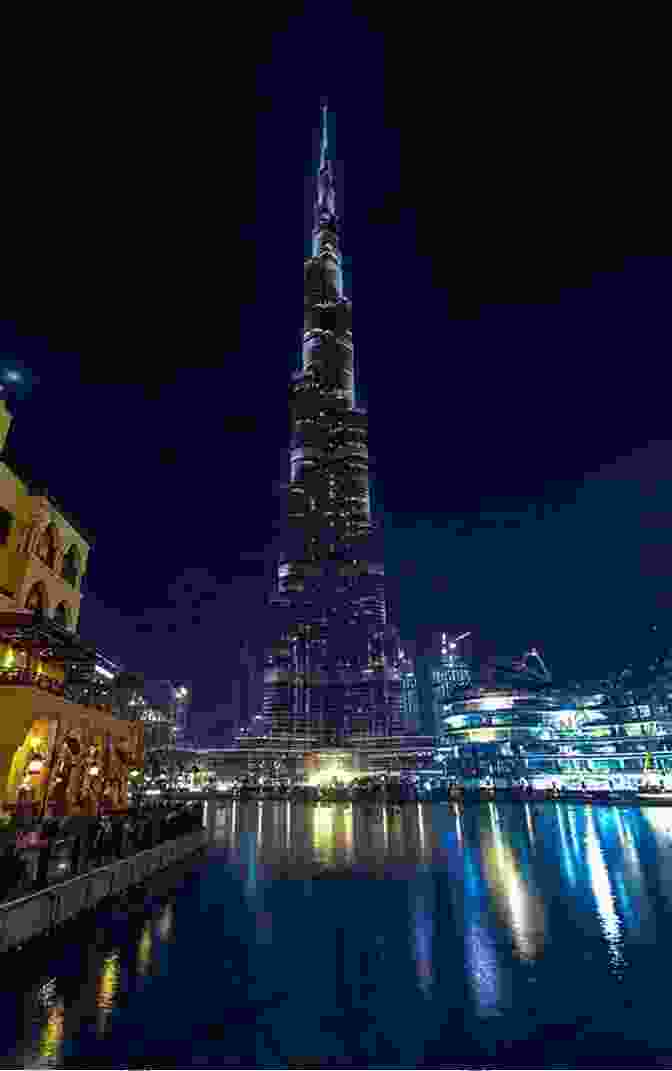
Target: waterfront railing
x=39 y=854
x=46 y=910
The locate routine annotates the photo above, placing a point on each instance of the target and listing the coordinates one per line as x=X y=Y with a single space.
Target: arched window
x=46 y=547
x=36 y=599
x=71 y=566
x=61 y=615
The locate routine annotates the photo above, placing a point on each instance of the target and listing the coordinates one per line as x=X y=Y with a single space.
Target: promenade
x=52 y=870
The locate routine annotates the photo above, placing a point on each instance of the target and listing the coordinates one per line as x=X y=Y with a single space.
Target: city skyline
x=514 y=385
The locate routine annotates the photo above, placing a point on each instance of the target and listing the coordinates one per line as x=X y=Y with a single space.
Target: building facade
x=61 y=748
x=328 y=676
x=563 y=733
x=43 y=556
x=450 y=674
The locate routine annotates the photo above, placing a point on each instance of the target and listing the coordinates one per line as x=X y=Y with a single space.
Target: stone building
x=57 y=752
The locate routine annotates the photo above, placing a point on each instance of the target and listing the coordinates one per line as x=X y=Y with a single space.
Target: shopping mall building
x=569 y=735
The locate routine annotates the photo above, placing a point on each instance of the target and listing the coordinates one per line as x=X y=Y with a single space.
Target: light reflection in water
x=566 y=852
x=482 y=967
x=166 y=925
x=525 y=911
x=530 y=829
x=660 y=823
x=472 y=909
x=108 y=987
x=458 y=823
x=145 y=949
x=604 y=898
x=423 y=933
x=571 y=818
x=51 y=1041
x=479 y=944
x=48 y=1050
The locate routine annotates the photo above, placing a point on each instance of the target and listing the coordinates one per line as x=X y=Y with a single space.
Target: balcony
x=14 y=678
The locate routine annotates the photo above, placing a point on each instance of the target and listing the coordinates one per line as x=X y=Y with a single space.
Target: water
x=500 y=935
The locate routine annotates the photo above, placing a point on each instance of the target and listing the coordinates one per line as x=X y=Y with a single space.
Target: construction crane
x=534 y=653
x=453 y=643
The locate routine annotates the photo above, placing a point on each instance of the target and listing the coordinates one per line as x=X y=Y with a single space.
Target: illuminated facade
x=450 y=673
x=557 y=732
x=43 y=556
x=61 y=748
x=329 y=675
x=410 y=701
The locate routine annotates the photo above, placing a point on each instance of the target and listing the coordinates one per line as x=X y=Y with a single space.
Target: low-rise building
x=61 y=748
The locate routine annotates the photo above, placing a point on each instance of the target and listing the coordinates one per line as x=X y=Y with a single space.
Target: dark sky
x=512 y=358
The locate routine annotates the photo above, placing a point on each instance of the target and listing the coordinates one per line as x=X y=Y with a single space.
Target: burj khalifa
x=332 y=675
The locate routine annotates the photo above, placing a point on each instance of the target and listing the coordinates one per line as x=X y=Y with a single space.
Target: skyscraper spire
x=325 y=206
x=325 y=146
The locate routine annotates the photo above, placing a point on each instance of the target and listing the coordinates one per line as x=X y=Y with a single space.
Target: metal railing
x=30 y=860
x=43 y=911
x=31 y=679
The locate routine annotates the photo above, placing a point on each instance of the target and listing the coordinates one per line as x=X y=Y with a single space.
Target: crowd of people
x=28 y=862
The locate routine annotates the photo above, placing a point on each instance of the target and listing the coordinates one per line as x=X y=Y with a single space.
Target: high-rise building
x=328 y=676
x=410 y=700
x=450 y=674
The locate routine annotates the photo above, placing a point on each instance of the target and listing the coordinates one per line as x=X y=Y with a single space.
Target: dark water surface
x=498 y=935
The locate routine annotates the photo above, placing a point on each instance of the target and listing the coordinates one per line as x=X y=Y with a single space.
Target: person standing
x=12 y=872
x=91 y=834
x=98 y=842
x=49 y=831
x=75 y=854
x=117 y=838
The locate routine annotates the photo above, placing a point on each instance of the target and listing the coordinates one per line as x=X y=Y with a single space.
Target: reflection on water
x=604 y=899
x=501 y=920
x=108 y=988
x=523 y=912
x=145 y=949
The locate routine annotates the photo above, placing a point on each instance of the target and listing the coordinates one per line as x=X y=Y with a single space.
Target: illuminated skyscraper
x=329 y=675
x=450 y=674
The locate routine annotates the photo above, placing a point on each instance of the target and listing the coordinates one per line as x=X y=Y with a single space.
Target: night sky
x=512 y=359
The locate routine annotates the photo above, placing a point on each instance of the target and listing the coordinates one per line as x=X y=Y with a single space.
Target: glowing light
x=145 y=949
x=567 y=855
x=108 y=987
x=483 y=970
x=526 y=912
x=52 y=1034
x=604 y=899
x=323 y=831
x=104 y=672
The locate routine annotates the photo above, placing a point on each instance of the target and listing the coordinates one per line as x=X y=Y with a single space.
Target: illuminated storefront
x=554 y=733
